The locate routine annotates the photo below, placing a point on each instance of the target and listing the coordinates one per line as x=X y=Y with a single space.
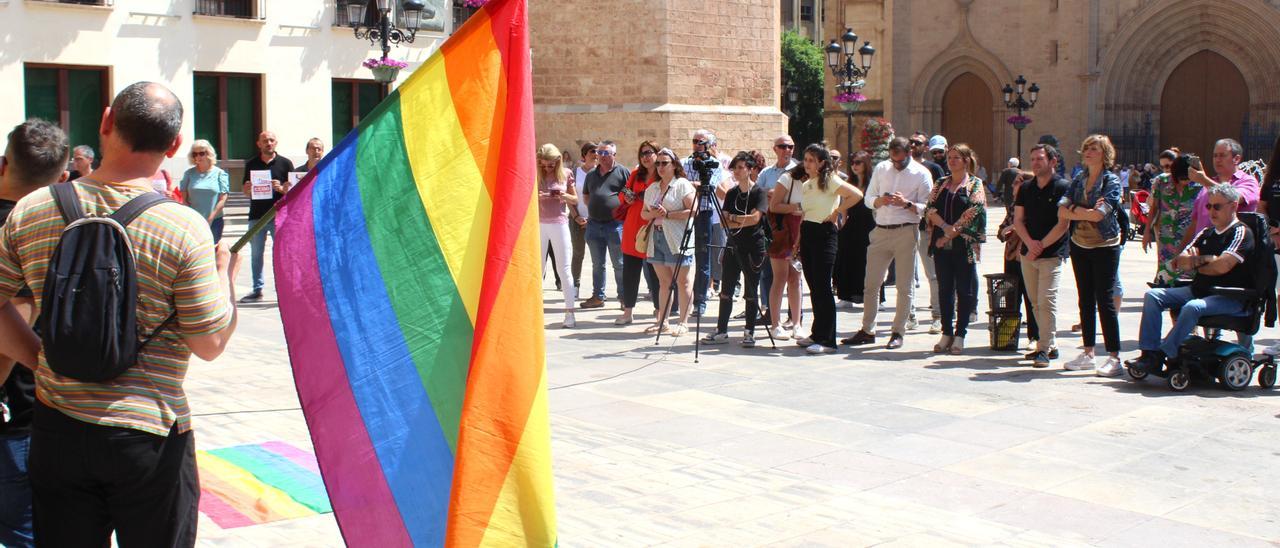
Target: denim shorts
x=662 y=254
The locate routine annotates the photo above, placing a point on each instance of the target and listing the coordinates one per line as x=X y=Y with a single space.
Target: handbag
x=642 y=235
x=785 y=238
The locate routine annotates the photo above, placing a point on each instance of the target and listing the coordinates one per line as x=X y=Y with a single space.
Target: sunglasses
x=197 y=154
x=916 y=143
x=858 y=162
x=604 y=153
x=699 y=143
x=788 y=147
x=546 y=166
x=1216 y=207
x=662 y=163
x=648 y=153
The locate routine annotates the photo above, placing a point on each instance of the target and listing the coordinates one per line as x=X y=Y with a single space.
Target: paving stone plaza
x=759 y=446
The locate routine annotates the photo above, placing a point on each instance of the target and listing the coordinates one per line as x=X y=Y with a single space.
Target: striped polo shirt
x=173 y=251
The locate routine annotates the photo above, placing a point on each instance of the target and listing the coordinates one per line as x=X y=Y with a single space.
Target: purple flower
x=850 y=97
x=1019 y=120
x=474 y=3
x=384 y=62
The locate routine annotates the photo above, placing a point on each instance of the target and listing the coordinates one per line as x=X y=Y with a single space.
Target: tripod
x=704 y=199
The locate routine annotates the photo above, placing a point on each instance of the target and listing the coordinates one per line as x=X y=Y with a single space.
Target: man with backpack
x=111 y=441
x=35 y=157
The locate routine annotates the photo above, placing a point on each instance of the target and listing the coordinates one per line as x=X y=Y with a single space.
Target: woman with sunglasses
x=668 y=207
x=633 y=259
x=205 y=186
x=1171 y=202
x=855 y=236
x=824 y=200
x=556 y=194
x=1090 y=204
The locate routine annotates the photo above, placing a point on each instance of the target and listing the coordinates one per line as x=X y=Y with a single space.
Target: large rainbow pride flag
x=407 y=270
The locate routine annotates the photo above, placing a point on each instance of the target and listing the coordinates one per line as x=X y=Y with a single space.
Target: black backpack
x=88 y=316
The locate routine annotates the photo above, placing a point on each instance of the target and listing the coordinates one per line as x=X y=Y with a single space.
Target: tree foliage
x=802 y=67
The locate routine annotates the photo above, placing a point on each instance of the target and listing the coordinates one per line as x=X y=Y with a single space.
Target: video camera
x=705 y=165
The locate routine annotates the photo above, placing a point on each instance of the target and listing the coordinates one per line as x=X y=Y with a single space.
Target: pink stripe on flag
x=295 y=455
x=367 y=514
x=222 y=513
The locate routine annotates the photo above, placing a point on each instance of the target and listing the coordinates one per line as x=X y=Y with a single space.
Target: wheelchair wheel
x=1236 y=372
x=1179 y=379
x=1267 y=377
x=1136 y=373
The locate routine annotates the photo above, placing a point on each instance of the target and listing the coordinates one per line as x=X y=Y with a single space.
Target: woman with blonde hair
x=205 y=186
x=1090 y=204
x=957 y=216
x=556 y=194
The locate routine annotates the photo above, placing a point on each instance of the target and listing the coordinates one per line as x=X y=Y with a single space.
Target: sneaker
x=696 y=312
x=935 y=327
x=749 y=340
x=594 y=302
x=781 y=333
x=1273 y=350
x=1111 y=368
x=845 y=304
x=1053 y=352
x=804 y=341
x=741 y=315
x=819 y=349
x=252 y=297
x=912 y=324
x=716 y=338
x=1040 y=360
x=973 y=317
x=1083 y=362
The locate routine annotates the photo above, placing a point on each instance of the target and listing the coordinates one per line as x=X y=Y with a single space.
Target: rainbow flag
x=407 y=269
x=259 y=483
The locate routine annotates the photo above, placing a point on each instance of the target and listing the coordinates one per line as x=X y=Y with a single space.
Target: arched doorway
x=967 y=108
x=1205 y=99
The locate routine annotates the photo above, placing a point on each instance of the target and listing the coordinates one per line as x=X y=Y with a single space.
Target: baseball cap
x=937 y=142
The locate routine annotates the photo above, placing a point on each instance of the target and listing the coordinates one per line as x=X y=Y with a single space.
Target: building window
x=461 y=13
x=245 y=9
x=228 y=113
x=72 y=97
x=352 y=101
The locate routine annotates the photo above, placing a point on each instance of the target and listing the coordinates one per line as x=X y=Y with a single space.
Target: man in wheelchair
x=1217 y=257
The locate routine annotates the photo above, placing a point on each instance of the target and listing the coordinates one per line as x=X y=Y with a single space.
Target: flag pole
x=255 y=229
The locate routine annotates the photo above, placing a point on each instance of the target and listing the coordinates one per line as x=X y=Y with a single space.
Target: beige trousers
x=1042 y=277
x=897 y=245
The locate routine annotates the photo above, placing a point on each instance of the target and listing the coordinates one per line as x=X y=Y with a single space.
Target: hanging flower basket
x=385 y=70
x=474 y=3
x=1019 y=122
x=849 y=101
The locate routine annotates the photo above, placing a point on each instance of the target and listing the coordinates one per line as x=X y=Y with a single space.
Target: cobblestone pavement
x=760 y=446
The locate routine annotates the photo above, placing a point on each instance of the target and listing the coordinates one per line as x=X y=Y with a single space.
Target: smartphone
x=555 y=192
x=1194 y=161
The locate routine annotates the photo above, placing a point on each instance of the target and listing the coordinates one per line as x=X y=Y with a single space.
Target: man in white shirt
x=578 y=228
x=898 y=193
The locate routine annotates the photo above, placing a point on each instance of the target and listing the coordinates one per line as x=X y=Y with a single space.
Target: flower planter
x=851 y=106
x=385 y=74
x=1019 y=127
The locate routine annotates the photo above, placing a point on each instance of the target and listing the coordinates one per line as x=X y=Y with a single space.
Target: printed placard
x=260 y=184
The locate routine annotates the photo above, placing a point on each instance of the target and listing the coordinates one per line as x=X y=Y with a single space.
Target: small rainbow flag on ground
x=260 y=483
x=407 y=269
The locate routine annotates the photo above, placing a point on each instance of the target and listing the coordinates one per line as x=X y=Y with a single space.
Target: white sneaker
x=912 y=324
x=716 y=338
x=1111 y=368
x=845 y=304
x=569 y=322
x=935 y=327
x=781 y=333
x=819 y=349
x=804 y=341
x=1273 y=350
x=1083 y=362
x=749 y=340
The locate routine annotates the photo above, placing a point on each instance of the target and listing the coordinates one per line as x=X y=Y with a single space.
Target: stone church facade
x=1150 y=73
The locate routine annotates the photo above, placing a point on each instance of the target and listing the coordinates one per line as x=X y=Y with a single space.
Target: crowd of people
x=918 y=217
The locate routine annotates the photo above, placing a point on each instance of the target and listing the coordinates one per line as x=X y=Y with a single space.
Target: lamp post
x=384 y=31
x=851 y=75
x=1013 y=99
x=789 y=100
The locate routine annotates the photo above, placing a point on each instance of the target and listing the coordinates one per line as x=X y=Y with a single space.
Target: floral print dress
x=1174 y=215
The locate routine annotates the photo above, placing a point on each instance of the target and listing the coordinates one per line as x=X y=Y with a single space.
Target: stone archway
x=1204 y=99
x=966 y=117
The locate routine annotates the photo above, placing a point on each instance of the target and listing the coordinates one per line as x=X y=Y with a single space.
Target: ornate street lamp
x=1014 y=100
x=384 y=31
x=851 y=76
x=790 y=100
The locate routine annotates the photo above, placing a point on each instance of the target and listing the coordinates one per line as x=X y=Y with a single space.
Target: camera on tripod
x=705 y=165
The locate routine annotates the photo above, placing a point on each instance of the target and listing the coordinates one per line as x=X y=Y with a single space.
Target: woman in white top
x=824 y=199
x=556 y=194
x=668 y=206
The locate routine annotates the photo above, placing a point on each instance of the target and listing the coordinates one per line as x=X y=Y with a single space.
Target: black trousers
x=851 y=259
x=632 y=268
x=1095 y=271
x=818 y=247
x=1014 y=268
x=733 y=263
x=957 y=292
x=88 y=480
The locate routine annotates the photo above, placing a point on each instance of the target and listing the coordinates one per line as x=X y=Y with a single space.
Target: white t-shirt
x=582 y=202
x=672 y=200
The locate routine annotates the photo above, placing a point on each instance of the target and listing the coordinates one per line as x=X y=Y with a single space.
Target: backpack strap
x=68 y=202
x=133 y=208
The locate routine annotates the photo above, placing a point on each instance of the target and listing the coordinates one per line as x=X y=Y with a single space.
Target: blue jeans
x=15 y=491
x=259 y=245
x=604 y=236
x=1159 y=300
x=708 y=241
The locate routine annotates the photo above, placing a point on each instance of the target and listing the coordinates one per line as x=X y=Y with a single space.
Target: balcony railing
x=244 y=9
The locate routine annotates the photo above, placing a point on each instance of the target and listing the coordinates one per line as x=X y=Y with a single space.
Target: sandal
x=655 y=329
x=678 y=330
x=943 y=346
x=957 y=346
